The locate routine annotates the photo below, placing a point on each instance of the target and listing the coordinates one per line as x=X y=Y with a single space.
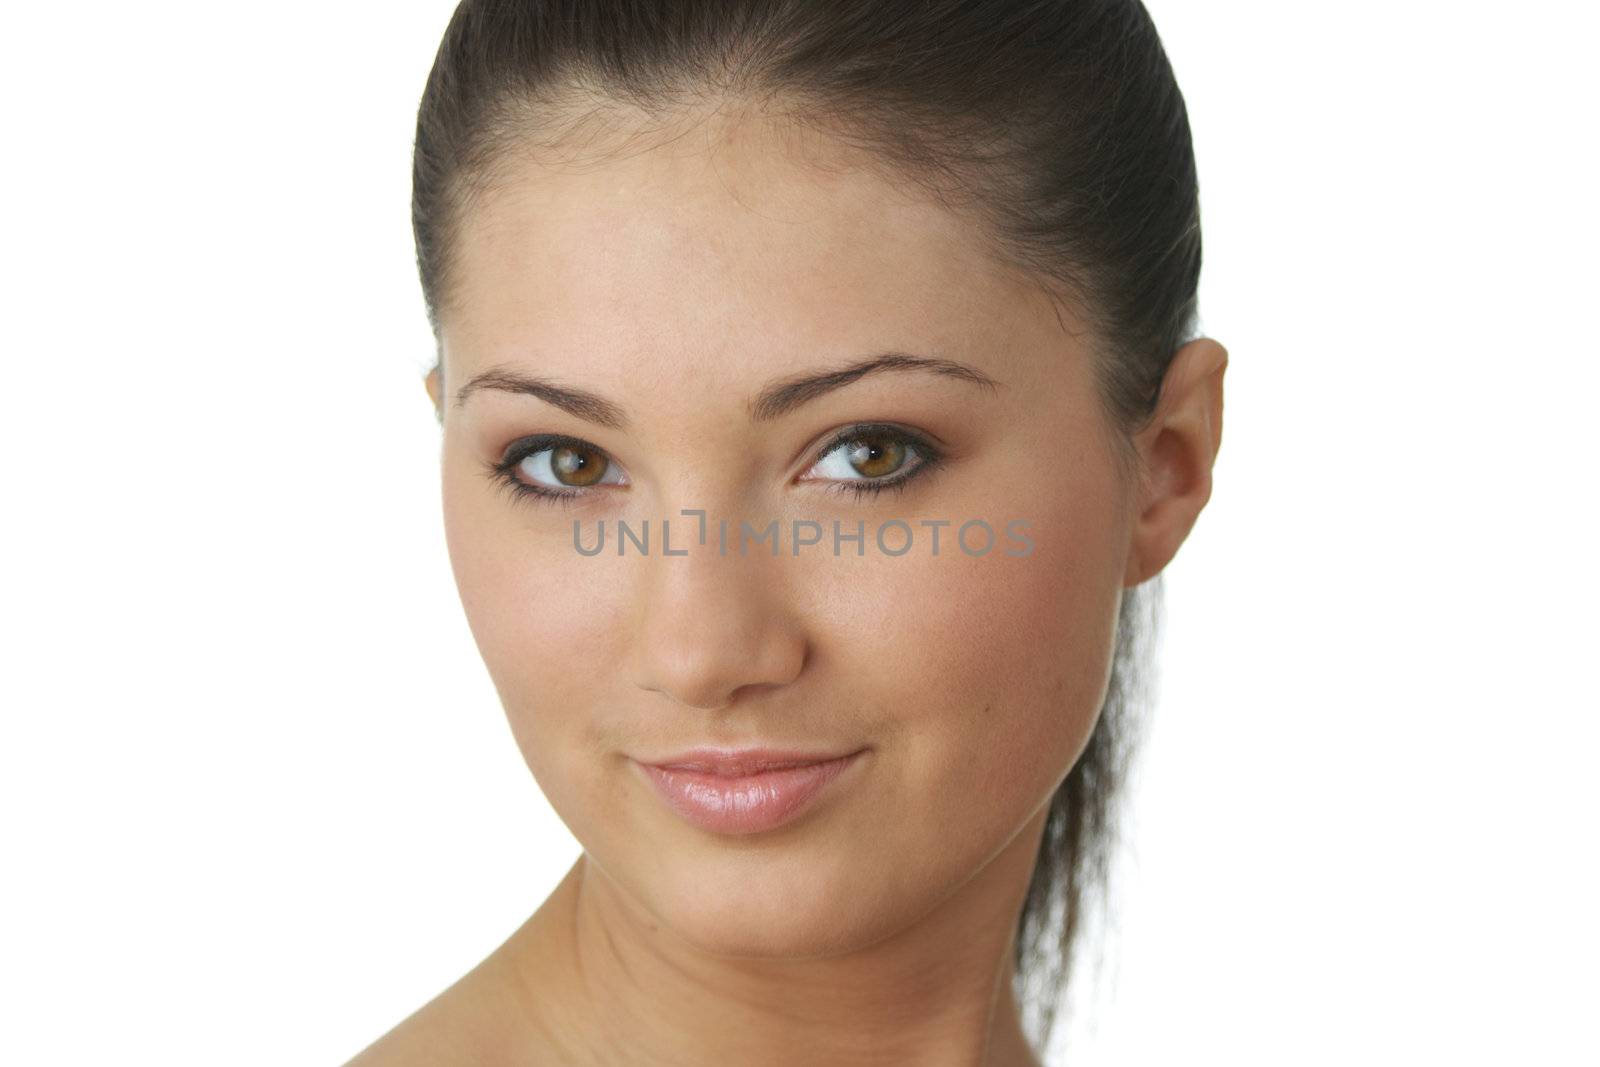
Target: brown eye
x=868 y=458
x=875 y=455
x=559 y=465
x=577 y=466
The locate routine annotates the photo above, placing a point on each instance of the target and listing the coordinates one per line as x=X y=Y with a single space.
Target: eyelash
x=928 y=457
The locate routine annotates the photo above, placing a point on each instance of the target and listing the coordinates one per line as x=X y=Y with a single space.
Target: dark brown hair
x=1059 y=122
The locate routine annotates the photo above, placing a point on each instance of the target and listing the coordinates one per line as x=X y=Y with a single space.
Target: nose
x=711 y=627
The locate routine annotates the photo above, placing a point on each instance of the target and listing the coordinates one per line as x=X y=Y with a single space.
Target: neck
x=618 y=987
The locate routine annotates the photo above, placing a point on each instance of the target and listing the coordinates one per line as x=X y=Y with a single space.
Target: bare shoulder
x=498 y=1014
x=446 y=1030
x=482 y=1020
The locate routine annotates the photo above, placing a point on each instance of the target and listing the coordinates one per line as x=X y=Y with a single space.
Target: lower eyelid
x=865 y=486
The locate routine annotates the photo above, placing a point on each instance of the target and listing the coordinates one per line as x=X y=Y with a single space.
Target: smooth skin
x=676 y=273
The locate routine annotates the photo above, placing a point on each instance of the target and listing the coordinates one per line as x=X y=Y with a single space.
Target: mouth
x=740 y=763
x=744 y=793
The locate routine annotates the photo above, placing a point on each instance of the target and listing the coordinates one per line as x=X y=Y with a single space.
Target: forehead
x=739 y=242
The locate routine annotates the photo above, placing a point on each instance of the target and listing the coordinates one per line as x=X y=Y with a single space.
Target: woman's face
x=678 y=281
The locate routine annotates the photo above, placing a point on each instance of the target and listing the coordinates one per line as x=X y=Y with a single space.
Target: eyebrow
x=777 y=399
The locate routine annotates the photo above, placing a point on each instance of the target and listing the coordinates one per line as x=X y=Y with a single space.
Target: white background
x=260 y=801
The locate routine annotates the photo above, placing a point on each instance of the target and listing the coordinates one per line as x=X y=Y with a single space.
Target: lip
x=746 y=791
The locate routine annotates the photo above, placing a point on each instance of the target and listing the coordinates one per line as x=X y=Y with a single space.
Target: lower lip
x=749 y=804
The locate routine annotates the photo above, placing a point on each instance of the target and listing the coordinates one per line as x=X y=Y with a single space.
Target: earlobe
x=431 y=382
x=1179 y=448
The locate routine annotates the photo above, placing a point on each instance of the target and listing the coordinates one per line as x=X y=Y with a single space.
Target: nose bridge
x=710 y=625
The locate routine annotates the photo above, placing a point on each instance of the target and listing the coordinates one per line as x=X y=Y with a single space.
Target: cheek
x=987 y=675
x=545 y=619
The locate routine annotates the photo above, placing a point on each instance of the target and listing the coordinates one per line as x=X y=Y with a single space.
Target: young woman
x=820 y=402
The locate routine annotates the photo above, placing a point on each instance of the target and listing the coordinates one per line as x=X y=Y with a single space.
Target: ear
x=1178 y=447
x=432 y=381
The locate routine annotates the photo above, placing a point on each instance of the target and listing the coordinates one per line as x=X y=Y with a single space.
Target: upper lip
x=735 y=763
